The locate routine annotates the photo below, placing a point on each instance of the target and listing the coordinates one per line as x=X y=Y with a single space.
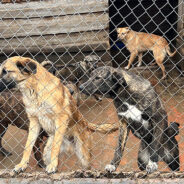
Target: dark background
x=158 y=17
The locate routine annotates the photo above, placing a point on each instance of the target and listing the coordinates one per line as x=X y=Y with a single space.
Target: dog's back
x=144 y=41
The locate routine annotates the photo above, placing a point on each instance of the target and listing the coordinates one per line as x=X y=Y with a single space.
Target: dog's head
x=104 y=81
x=122 y=32
x=16 y=70
x=90 y=62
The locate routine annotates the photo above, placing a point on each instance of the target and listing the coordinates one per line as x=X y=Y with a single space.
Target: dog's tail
x=49 y=66
x=105 y=128
x=47 y=62
x=173 y=129
x=167 y=48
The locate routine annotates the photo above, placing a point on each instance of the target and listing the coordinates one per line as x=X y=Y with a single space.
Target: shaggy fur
x=75 y=73
x=50 y=106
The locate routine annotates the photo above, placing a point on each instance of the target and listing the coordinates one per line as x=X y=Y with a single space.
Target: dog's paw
x=139 y=64
x=99 y=99
x=110 y=168
x=50 y=169
x=164 y=77
x=20 y=168
x=151 y=167
x=127 y=67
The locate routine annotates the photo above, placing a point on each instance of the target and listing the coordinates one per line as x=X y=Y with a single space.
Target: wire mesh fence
x=83 y=92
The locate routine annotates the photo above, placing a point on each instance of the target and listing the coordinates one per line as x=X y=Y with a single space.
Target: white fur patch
x=139 y=64
x=110 y=168
x=83 y=64
x=145 y=124
x=132 y=113
x=126 y=68
x=145 y=156
x=135 y=114
x=167 y=154
x=151 y=167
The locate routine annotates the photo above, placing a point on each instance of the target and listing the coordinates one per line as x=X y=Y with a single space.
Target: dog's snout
x=4 y=72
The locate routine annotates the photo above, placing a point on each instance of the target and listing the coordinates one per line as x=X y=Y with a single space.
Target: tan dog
x=49 y=105
x=138 y=42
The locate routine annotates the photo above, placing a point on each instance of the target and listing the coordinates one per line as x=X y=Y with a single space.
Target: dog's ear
x=127 y=29
x=118 y=78
x=27 y=67
x=173 y=129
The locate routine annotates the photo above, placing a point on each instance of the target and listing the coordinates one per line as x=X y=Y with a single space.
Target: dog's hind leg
x=159 y=58
x=172 y=162
x=123 y=135
x=37 y=151
x=156 y=142
x=82 y=146
x=171 y=150
x=3 y=129
x=171 y=156
x=61 y=124
x=144 y=161
x=143 y=156
x=163 y=70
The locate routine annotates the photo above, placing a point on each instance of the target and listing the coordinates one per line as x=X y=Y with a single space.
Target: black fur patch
x=145 y=116
x=119 y=79
x=173 y=129
x=6 y=85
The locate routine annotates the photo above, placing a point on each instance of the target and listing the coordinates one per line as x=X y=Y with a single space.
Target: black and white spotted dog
x=137 y=102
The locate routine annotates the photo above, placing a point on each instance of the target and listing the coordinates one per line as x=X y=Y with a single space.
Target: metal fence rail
x=72 y=39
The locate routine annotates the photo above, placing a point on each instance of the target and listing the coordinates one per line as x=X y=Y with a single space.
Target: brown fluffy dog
x=49 y=105
x=138 y=42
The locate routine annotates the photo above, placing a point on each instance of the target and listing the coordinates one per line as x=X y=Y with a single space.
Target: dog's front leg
x=153 y=150
x=34 y=129
x=61 y=126
x=152 y=164
x=139 y=59
x=123 y=135
x=132 y=57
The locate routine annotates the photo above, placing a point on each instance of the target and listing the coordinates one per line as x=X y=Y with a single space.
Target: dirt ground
x=172 y=94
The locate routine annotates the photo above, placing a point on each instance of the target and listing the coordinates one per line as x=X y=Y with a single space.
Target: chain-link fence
x=127 y=114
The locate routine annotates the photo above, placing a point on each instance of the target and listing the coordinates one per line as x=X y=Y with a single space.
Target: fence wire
x=113 y=110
